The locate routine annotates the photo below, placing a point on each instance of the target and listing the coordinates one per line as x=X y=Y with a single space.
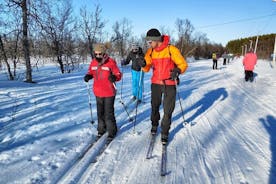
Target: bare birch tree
x=57 y=24
x=184 y=31
x=23 y=5
x=92 y=26
x=122 y=32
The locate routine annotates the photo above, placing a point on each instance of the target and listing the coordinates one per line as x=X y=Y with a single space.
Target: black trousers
x=215 y=64
x=248 y=75
x=169 y=95
x=106 y=117
x=224 y=61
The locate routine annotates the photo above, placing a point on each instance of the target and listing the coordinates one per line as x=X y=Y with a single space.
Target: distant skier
x=136 y=55
x=215 y=61
x=105 y=72
x=224 y=56
x=249 y=62
x=167 y=64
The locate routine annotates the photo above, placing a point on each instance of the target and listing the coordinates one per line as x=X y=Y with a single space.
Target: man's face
x=152 y=44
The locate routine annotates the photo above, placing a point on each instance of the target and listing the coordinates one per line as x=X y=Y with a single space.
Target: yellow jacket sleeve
x=178 y=59
x=148 y=60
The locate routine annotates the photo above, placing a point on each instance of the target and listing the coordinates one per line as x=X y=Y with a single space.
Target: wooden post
x=250 y=44
x=256 y=44
x=274 y=53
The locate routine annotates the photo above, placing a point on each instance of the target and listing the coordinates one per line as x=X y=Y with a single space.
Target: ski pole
x=122 y=82
x=121 y=101
x=90 y=106
x=185 y=123
x=139 y=86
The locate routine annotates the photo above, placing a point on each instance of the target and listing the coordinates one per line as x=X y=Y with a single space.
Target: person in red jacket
x=105 y=73
x=167 y=64
x=249 y=62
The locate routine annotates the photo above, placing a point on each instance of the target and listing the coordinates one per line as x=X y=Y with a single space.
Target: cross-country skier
x=105 y=73
x=249 y=62
x=167 y=64
x=135 y=55
x=215 y=61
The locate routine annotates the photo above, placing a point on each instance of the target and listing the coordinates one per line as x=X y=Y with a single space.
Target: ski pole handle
x=114 y=85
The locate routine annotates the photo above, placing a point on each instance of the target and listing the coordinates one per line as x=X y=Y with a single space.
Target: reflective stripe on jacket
x=102 y=87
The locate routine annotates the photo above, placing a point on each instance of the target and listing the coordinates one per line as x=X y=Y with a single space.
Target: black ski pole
x=90 y=105
x=121 y=101
x=178 y=96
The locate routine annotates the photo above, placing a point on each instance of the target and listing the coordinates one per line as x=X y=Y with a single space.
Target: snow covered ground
x=230 y=138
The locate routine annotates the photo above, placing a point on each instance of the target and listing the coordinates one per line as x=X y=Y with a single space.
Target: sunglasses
x=98 y=54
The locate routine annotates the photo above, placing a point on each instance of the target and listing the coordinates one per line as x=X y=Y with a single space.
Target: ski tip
x=193 y=123
x=136 y=133
x=163 y=174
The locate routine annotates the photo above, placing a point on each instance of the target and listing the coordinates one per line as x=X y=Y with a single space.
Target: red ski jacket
x=162 y=60
x=249 y=61
x=102 y=87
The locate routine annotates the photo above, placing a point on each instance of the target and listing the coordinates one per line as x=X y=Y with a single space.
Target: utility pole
x=250 y=44
x=274 y=53
x=256 y=44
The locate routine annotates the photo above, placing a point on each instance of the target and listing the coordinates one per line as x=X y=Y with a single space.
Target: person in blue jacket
x=136 y=55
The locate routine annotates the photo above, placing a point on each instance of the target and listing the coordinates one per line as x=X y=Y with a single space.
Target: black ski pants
x=248 y=75
x=215 y=64
x=106 y=117
x=169 y=95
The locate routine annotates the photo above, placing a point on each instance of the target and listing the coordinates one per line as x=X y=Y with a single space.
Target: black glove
x=175 y=73
x=142 y=62
x=123 y=62
x=87 y=77
x=112 y=78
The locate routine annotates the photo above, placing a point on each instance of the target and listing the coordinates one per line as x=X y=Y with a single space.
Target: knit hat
x=99 y=47
x=154 y=35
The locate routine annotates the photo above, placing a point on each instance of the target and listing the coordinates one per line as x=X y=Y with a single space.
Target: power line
x=236 y=21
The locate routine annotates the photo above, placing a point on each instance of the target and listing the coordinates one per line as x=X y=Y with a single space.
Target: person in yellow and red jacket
x=167 y=64
x=105 y=73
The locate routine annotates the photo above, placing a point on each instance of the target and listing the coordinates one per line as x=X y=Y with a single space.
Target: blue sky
x=247 y=17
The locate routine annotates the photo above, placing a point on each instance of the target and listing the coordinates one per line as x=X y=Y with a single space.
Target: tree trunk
x=59 y=58
x=90 y=47
x=26 y=41
x=11 y=77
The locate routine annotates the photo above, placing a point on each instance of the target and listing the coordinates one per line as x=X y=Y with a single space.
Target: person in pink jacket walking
x=249 y=62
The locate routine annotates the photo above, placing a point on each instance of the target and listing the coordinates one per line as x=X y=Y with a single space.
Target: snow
x=230 y=137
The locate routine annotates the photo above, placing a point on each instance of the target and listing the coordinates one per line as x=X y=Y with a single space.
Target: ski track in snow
x=226 y=141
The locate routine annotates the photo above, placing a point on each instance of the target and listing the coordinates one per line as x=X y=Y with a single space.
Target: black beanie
x=154 y=35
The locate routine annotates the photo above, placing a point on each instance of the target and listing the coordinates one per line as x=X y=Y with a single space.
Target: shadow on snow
x=205 y=103
x=270 y=125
